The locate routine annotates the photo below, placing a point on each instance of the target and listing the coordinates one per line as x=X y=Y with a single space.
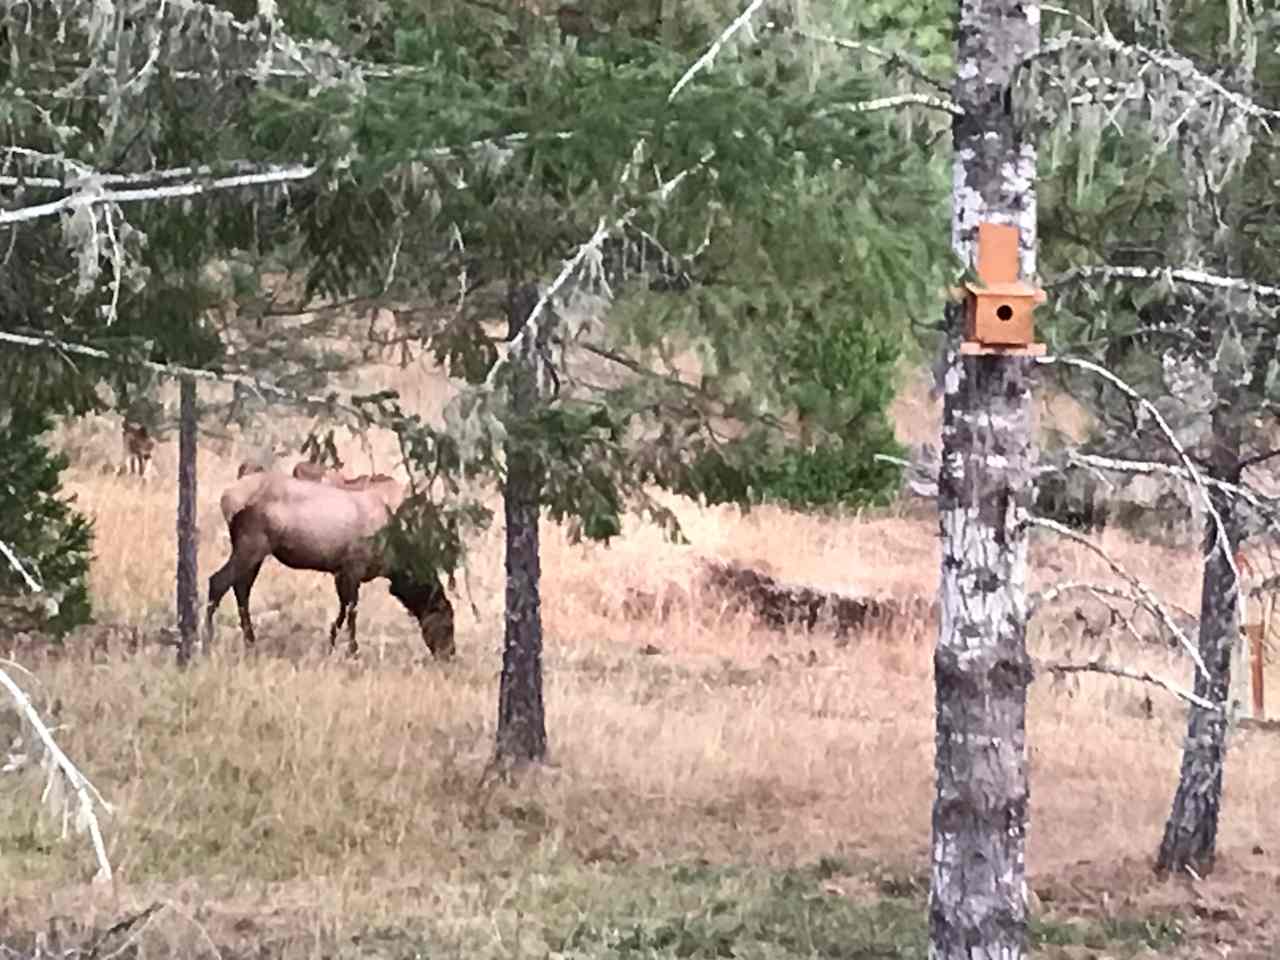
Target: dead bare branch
x=1221 y=540
x=1058 y=591
x=1199 y=278
x=1128 y=673
x=1150 y=600
x=58 y=764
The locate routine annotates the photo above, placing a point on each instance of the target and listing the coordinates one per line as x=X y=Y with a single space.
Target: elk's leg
x=348 y=588
x=243 y=587
x=352 y=647
x=219 y=584
x=342 y=612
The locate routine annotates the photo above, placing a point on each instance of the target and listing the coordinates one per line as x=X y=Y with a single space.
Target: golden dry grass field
x=716 y=788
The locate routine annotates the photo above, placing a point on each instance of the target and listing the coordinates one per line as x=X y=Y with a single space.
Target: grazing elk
x=318 y=526
x=138 y=447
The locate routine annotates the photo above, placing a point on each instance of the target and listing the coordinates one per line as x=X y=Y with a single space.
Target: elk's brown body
x=317 y=526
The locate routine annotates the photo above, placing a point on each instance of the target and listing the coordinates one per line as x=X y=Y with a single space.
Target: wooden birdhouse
x=998 y=316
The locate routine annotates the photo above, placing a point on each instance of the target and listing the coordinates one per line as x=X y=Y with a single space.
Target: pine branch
x=566 y=271
x=1179 y=66
x=1106 y=595
x=673 y=380
x=330 y=402
x=708 y=57
x=319 y=61
x=1149 y=599
x=602 y=232
x=94 y=196
x=895 y=59
x=898 y=100
x=1063 y=12
x=1099 y=666
x=81 y=173
x=358 y=68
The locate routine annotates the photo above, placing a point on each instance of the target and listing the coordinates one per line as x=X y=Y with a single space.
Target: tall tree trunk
x=1191 y=832
x=186 y=579
x=522 y=735
x=977 y=897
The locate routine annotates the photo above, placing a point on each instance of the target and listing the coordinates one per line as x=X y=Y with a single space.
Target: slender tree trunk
x=1191 y=832
x=522 y=735
x=187 y=588
x=977 y=897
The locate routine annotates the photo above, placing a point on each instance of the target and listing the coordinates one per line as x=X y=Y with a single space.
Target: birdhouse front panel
x=1001 y=315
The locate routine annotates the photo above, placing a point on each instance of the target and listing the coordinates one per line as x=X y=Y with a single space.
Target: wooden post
x=1255 y=616
x=188 y=589
x=1258 y=656
x=1242 y=680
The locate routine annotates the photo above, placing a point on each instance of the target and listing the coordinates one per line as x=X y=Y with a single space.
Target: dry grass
x=290 y=801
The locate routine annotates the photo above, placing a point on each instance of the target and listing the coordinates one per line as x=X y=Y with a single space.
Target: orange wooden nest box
x=998 y=316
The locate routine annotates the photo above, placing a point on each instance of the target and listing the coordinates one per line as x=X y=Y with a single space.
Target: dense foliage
x=51 y=539
x=749 y=246
x=777 y=237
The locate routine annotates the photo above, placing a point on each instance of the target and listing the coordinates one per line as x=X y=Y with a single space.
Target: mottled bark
x=977 y=899
x=522 y=734
x=186 y=579
x=1191 y=832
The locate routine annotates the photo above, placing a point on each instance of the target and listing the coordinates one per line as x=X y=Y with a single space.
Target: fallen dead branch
x=1128 y=673
x=1141 y=591
x=61 y=771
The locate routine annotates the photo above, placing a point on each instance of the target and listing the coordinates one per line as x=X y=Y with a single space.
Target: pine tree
x=50 y=541
x=740 y=217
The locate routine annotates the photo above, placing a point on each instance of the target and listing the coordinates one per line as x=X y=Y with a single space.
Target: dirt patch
x=781 y=605
x=1234 y=912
